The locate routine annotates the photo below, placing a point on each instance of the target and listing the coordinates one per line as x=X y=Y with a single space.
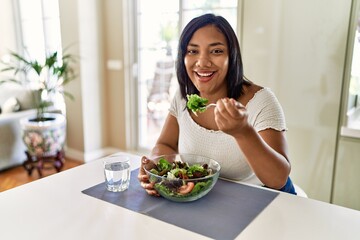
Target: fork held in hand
x=211 y=105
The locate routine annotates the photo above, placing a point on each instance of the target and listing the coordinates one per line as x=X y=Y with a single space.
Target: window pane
x=50 y=8
x=229 y=14
x=209 y=4
x=30 y=9
x=33 y=38
x=157 y=43
x=52 y=34
x=155 y=31
x=40 y=28
x=354 y=87
x=156 y=6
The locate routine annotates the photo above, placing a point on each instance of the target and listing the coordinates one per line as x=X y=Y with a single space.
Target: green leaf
x=20 y=58
x=196 y=103
x=37 y=67
x=69 y=95
x=7 y=69
x=163 y=165
x=10 y=80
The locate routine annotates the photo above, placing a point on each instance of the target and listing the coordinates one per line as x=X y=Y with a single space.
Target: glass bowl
x=187 y=182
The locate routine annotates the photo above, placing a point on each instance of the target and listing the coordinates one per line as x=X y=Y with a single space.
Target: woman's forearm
x=162 y=149
x=270 y=166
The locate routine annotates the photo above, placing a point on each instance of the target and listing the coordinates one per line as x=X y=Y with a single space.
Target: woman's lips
x=204 y=76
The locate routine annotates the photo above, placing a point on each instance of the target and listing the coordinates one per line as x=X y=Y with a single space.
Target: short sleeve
x=175 y=104
x=266 y=112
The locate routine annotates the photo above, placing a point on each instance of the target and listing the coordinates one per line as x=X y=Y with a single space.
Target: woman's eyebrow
x=193 y=45
x=211 y=44
x=216 y=44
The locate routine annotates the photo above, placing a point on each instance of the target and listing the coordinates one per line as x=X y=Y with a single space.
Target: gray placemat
x=222 y=214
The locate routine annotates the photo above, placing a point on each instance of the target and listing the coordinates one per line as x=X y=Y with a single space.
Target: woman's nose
x=203 y=61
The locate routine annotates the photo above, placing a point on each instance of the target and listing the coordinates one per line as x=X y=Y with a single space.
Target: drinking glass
x=117 y=172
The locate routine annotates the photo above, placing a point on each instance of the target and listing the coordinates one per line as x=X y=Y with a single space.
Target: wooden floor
x=17 y=176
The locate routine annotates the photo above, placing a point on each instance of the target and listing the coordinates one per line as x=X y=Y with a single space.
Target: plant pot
x=45 y=137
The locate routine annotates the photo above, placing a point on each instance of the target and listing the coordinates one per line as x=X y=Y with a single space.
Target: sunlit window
x=39 y=34
x=353 y=108
x=39 y=27
x=354 y=89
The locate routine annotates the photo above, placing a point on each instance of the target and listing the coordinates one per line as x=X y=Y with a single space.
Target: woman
x=245 y=132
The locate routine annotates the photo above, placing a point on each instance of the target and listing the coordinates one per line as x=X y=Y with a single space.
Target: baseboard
x=90 y=156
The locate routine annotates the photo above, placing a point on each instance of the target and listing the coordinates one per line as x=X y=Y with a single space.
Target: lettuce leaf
x=196 y=103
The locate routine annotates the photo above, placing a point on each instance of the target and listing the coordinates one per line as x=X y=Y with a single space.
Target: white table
x=55 y=208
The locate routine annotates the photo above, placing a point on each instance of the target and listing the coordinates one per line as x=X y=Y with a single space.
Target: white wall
x=69 y=23
x=93 y=118
x=7 y=28
x=298 y=49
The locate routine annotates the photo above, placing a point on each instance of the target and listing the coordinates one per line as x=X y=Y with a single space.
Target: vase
x=46 y=137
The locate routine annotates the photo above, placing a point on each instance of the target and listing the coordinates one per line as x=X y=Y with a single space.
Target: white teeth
x=204 y=74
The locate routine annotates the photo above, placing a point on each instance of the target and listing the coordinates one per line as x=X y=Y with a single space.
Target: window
x=39 y=27
x=158 y=30
x=351 y=124
x=354 y=88
x=39 y=33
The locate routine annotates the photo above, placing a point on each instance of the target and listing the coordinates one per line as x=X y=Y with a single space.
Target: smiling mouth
x=205 y=75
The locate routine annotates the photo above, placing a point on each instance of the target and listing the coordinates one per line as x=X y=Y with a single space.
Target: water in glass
x=117 y=176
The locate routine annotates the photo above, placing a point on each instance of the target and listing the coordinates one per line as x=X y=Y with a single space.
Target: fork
x=210 y=105
x=206 y=107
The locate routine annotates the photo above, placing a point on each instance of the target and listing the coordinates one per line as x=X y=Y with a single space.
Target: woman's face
x=207 y=60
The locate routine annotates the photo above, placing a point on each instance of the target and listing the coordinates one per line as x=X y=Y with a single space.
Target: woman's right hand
x=231 y=117
x=144 y=178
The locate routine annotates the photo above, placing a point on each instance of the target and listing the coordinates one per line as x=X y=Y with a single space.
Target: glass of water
x=117 y=172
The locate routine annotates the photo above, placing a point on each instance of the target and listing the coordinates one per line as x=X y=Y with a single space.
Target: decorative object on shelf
x=44 y=134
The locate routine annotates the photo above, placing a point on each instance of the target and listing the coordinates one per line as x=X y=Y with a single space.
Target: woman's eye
x=191 y=52
x=217 y=51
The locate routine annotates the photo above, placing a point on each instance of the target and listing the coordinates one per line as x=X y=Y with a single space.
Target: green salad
x=196 y=103
x=179 y=179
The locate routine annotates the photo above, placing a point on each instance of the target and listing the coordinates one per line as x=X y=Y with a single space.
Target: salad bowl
x=183 y=177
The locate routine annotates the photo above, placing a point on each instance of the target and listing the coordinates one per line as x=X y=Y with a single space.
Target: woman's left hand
x=144 y=178
x=231 y=116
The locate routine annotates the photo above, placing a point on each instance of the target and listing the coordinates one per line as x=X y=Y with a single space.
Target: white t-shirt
x=264 y=111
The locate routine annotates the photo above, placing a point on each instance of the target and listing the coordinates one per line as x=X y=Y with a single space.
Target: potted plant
x=44 y=134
